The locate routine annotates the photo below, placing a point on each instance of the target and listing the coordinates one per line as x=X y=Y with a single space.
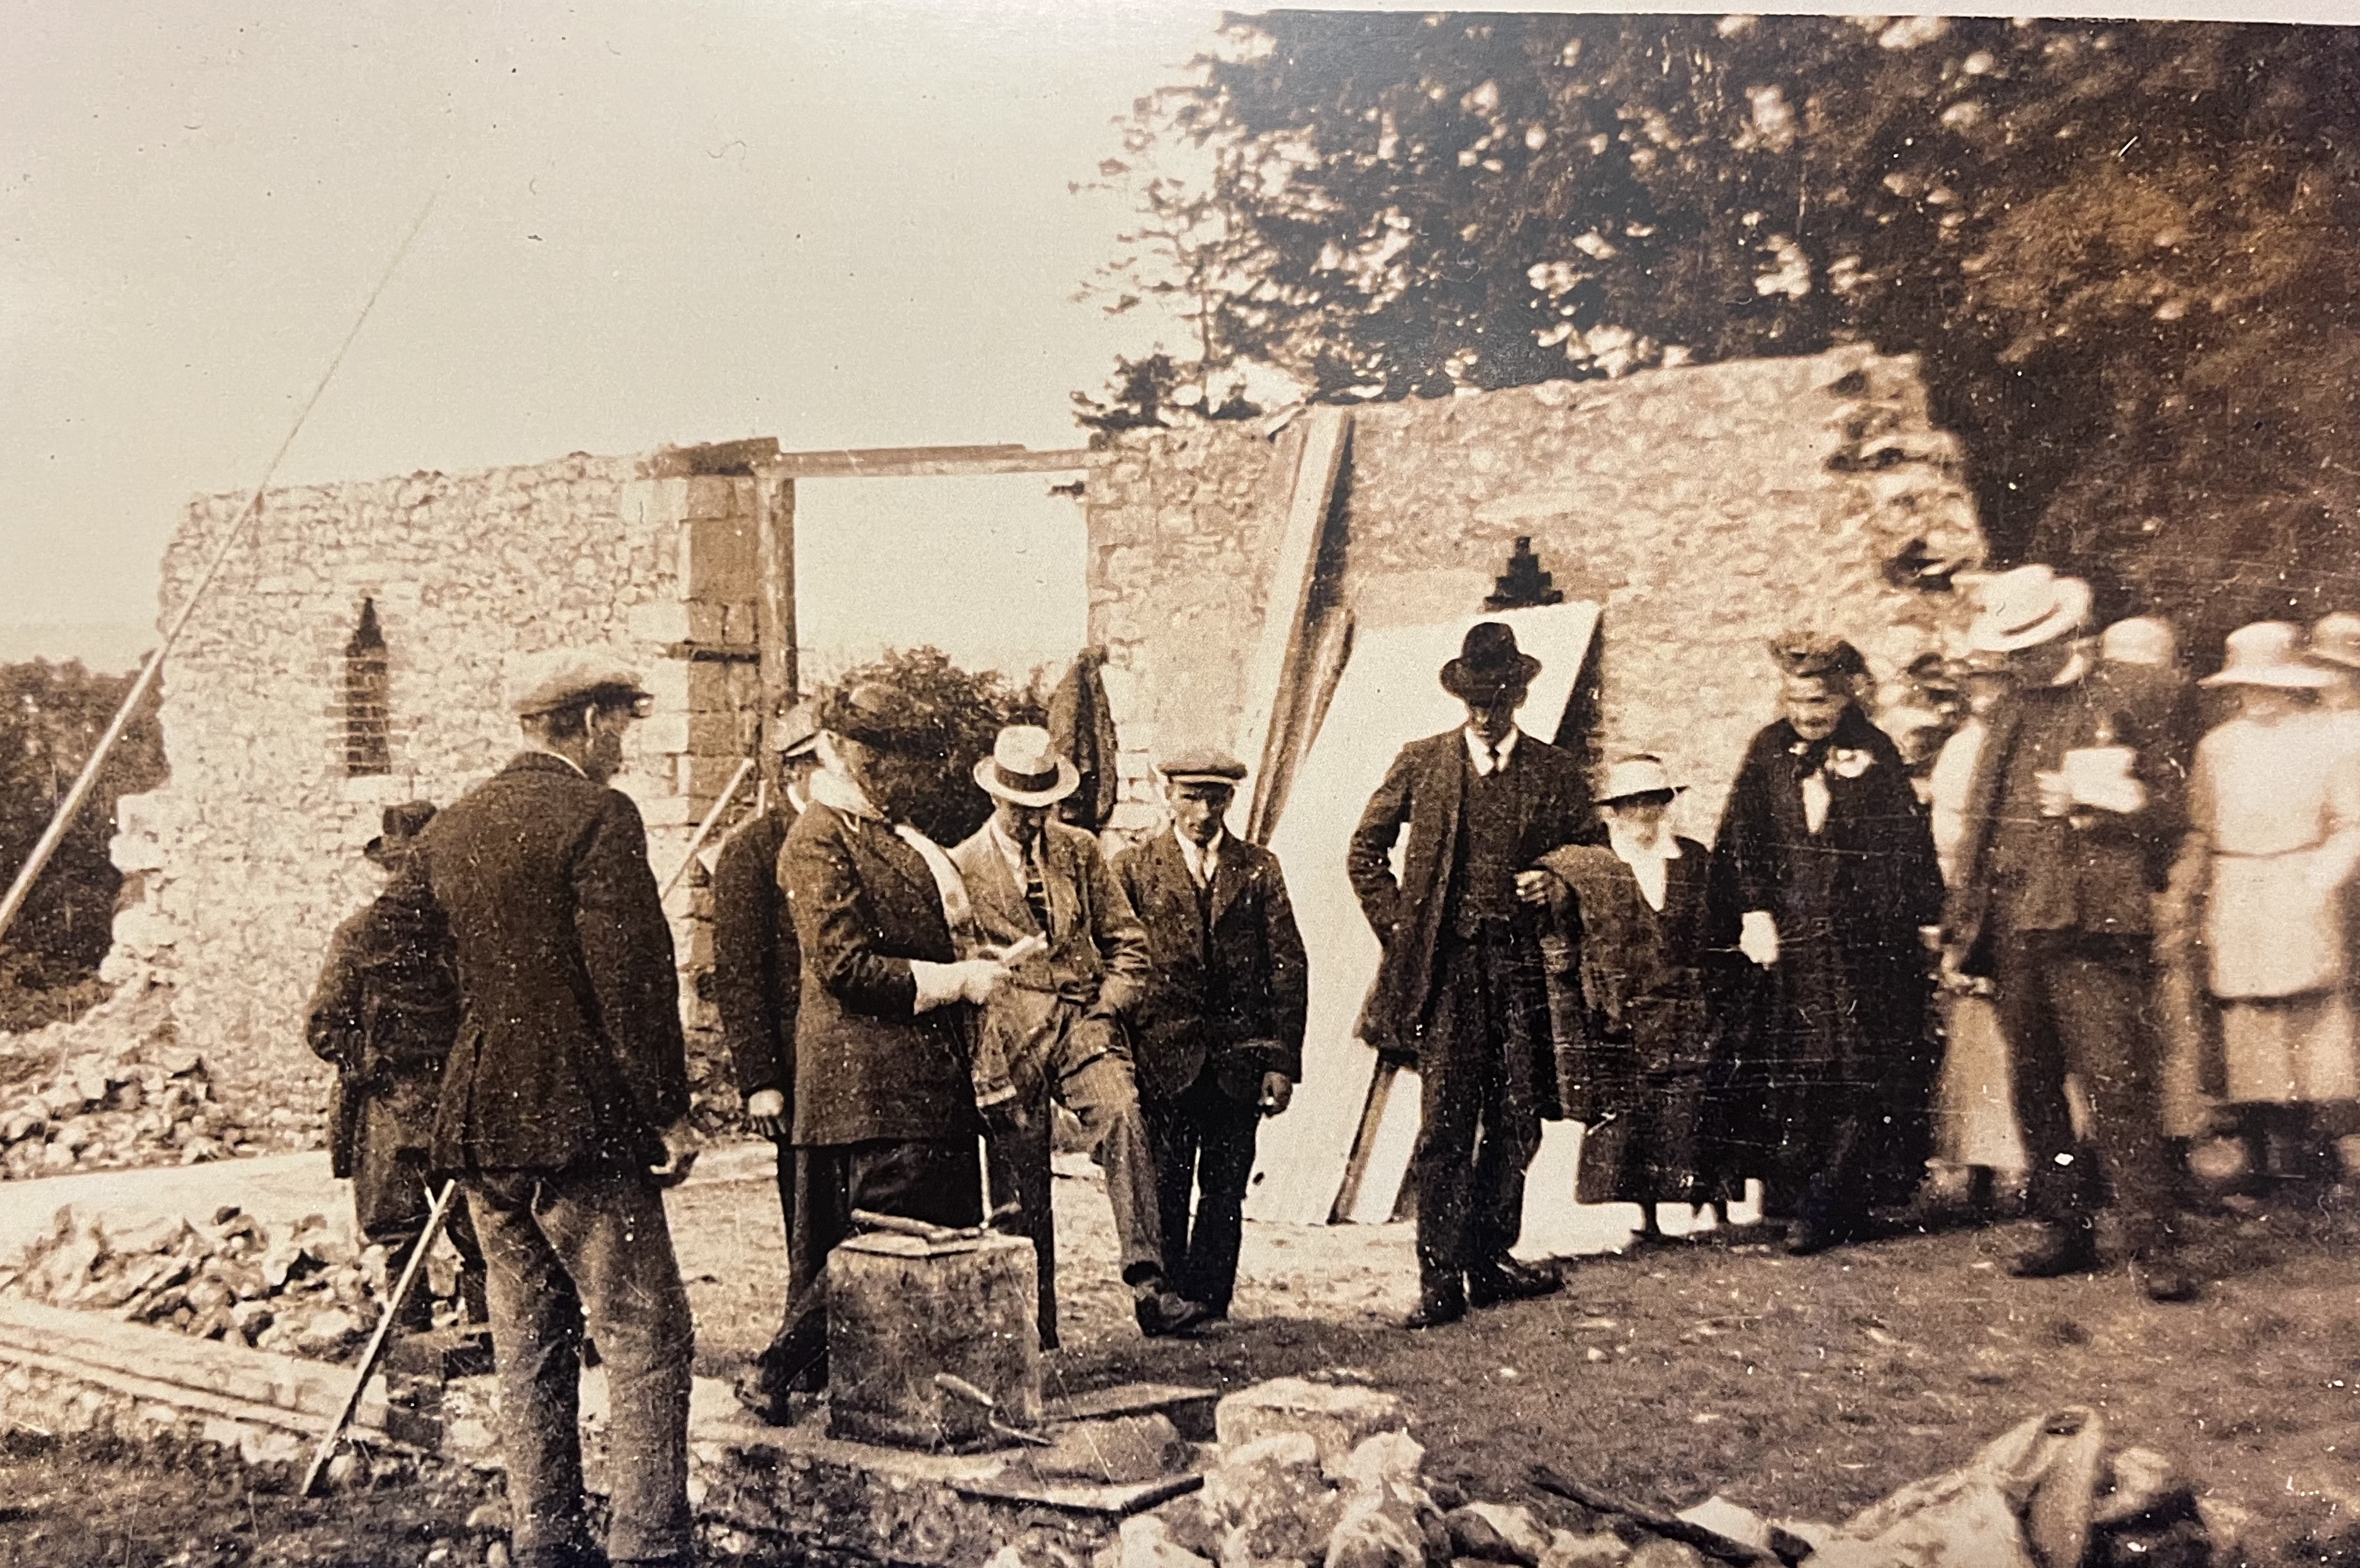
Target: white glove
x=1757 y=937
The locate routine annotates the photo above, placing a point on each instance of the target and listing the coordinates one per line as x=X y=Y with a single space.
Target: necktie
x=1035 y=894
x=1491 y=758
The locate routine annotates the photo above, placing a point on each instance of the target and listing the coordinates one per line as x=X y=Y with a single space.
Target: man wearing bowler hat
x=1044 y=902
x=757 y=963
x=1458 y=991
x=563 y=1111
x=1218 y=1038
x=385 y=1013
x=2071 y=820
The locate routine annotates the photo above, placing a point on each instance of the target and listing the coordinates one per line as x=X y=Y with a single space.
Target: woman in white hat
x=2274 y=837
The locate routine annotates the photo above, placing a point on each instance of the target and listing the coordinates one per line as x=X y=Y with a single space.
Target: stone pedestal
x=902 y=1311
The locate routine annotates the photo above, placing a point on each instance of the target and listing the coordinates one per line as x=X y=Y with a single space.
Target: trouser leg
x=1172 y=1139
x=610 y=1233
x=2100 y=993
x=2057 y=1189
x=1455 y=1068
x=391 y=1202
x=536 y=1351
x=1104 y=1098
x=1226 y=1131
x=1017 y=1155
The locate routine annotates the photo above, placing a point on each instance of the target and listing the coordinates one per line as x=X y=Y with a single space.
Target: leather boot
x=2063 y=1249
x=1502 y=1279
x=1441 y=1299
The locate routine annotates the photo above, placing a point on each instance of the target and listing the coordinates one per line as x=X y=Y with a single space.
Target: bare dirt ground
x=1800 y=1387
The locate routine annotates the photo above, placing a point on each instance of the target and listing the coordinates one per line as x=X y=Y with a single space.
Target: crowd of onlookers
x=2047 y=923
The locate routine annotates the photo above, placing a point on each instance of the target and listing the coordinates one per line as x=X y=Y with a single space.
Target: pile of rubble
x=310 y=1292
x=1316 y=1473
x=107 y=1091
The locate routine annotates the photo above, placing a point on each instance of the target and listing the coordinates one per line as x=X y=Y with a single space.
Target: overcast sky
x=841 y=224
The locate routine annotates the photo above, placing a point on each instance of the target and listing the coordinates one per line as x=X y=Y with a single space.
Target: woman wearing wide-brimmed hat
x=1625 y=953
x=2273 y=842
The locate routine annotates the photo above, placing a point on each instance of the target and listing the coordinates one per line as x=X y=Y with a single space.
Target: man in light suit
x=1459 y=990
x=1043 y=901
x=1218 y=1038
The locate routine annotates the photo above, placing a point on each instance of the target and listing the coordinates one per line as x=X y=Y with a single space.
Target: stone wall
x=1703 y=508
x=243 y=863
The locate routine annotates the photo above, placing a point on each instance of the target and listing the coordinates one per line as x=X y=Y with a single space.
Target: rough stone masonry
x=351 y=653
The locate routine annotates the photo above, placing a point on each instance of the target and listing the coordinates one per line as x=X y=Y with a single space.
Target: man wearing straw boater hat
x=1044 y=902
x=1458 y=989
x=2069 y=829
x=385 y=1013
x=563 y=1111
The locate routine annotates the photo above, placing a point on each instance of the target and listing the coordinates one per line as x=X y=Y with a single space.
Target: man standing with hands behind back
x=563 y=1110
x=1218 y=1036
x=1459 y=990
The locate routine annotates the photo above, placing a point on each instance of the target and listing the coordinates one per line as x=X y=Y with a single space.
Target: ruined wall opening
x=368 y=691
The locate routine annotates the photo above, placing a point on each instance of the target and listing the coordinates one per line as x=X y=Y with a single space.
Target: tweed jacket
x=569 y=1051
x=869 y=1065
x=2093 y=872
x=758 y=965
x=383 y=1013
x=1425 y=791
x=1230 y=993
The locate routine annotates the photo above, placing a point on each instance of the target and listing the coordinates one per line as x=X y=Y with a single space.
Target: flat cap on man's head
x=875 y=715
x=1201 y=764
x=796 y=732
x=548 y=682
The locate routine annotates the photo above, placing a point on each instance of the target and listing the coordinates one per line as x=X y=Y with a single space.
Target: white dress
x=2274 y=807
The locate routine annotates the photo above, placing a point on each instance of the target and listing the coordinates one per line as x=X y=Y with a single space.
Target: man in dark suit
x=1042 y=900
x=2070 y=823
x=884 y=1110
x=757 y=963
x=1218 y=1040
x=1459 y=990
x=563 y=1110
x=385 y=1013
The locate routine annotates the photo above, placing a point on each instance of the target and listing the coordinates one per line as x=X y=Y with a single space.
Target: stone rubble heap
x=112 y=1090
x=310 y=1293
x=1318 y=1475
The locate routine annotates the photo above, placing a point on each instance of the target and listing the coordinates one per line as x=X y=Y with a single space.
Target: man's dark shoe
x=1436 y=1305
x=2062 y=1250
x=1502 y=1279
x=1166 y=1316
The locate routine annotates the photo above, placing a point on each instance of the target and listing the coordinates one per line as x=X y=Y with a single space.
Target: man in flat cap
x=1042 y=898
x=884 y=1110
x=564 y=1110
x=1459 y=990
x=2076 y=807
x=757 y=963
x=1218 y=1039
x=1824 y=865
x=385 y=1014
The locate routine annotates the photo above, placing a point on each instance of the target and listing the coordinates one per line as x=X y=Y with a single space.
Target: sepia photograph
x=996 y=784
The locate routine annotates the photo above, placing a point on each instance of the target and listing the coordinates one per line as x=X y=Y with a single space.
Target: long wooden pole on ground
x=27 y=873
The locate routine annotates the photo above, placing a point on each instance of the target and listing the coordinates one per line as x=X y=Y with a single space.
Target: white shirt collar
x=1009 y=850
x=829 y=787
x=1202 y=863
x=544 y=751
x=1480 y=757
x=2076 y=667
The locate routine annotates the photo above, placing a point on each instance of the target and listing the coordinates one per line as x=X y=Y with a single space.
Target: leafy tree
x=51 y=718
x=2122 y=248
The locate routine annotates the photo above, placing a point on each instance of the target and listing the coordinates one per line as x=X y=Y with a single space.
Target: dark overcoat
x=1231 y=993
x=568 y=1053
x=757 y=962
x=384 y=1012
x=869 y=1065
x=1424 y=791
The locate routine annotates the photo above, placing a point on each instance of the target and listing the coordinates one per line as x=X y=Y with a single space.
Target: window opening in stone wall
x=368 y=687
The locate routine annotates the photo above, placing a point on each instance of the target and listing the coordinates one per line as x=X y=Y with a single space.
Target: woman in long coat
x=1825 y=865
x=1625 y=952
x=2273 y=840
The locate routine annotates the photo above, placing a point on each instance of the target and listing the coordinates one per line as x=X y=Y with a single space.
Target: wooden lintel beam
x=715 y=652
x=921 y=461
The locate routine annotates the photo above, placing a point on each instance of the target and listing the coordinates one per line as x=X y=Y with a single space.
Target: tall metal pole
x=63 y=818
